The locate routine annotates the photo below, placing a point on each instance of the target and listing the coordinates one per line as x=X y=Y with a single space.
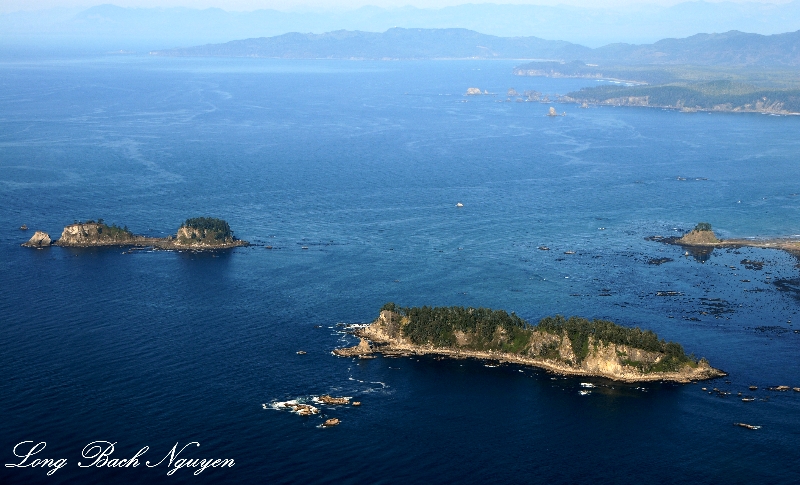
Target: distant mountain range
x=729 y=49
x=108 y=27
x=396 y=43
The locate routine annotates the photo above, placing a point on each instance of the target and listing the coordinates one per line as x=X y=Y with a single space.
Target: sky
x=289 y=5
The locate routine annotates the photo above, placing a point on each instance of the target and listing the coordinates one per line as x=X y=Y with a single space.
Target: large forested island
x=570 y=346
x=198 y=233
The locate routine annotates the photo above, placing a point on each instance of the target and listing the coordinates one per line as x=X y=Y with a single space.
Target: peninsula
x=198 y=234
x=703 y=237
x=688 y=88
x=573 y=346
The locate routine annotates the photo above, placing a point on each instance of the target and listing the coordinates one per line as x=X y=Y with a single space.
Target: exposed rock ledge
x=606 y=360
x=704 y=238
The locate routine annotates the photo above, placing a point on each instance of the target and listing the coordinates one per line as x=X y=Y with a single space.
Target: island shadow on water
x=505 y=373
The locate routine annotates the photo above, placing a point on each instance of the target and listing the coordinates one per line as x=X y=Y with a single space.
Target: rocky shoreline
x=645 y=102
x=707 y=240
x=375 y=339
x=97 y=234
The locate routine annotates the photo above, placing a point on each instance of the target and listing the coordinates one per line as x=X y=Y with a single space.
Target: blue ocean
x=344 y=176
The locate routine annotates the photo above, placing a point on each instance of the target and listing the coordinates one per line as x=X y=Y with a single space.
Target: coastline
x=789 y=245
x=383 y=344
x=556 y=75
x=633 y=102
x=154 y=242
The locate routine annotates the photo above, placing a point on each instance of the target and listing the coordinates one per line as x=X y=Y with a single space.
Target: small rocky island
x=703 y=237
x=568 y=346
x=199 y=233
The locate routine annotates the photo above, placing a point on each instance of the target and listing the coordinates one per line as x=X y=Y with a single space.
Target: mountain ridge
x=733 y=48
x=114 y=27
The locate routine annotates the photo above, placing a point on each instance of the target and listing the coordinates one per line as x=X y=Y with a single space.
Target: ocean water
x=362 y=163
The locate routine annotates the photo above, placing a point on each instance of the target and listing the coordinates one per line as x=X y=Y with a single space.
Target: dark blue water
x=363 y=163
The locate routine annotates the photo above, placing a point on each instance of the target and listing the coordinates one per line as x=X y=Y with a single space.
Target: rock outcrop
x=84 y=234
x=363 y=348
x=196 y=234
x=698 y=237
x=474 y=91
x=206 y=232
x=40 y=239
x=330 y=400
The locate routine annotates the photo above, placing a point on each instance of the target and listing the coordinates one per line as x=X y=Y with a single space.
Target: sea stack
x=40 y=239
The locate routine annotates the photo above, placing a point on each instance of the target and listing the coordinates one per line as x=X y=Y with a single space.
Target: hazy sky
x=245 y=5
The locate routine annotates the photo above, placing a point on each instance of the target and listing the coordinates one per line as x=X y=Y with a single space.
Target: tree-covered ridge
x=486 y=329
x=209 y=224
x=104 y=231
x=208 y=227
x=579 y=330
x=437 y=325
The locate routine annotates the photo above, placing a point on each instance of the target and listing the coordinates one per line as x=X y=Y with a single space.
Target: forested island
x=198 y=233
x=569 y=346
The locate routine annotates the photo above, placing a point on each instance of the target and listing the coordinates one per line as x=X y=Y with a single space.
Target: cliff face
x=608 y=359
x=94 y=234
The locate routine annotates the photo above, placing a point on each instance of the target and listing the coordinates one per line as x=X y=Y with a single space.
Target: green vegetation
x=720 y=95
x=688 y=87
x=210 y=224
x=702 y=226
x=206 y=230
x=104 y=231
x=484 y=329
x=578 y=330
x=488 y=329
